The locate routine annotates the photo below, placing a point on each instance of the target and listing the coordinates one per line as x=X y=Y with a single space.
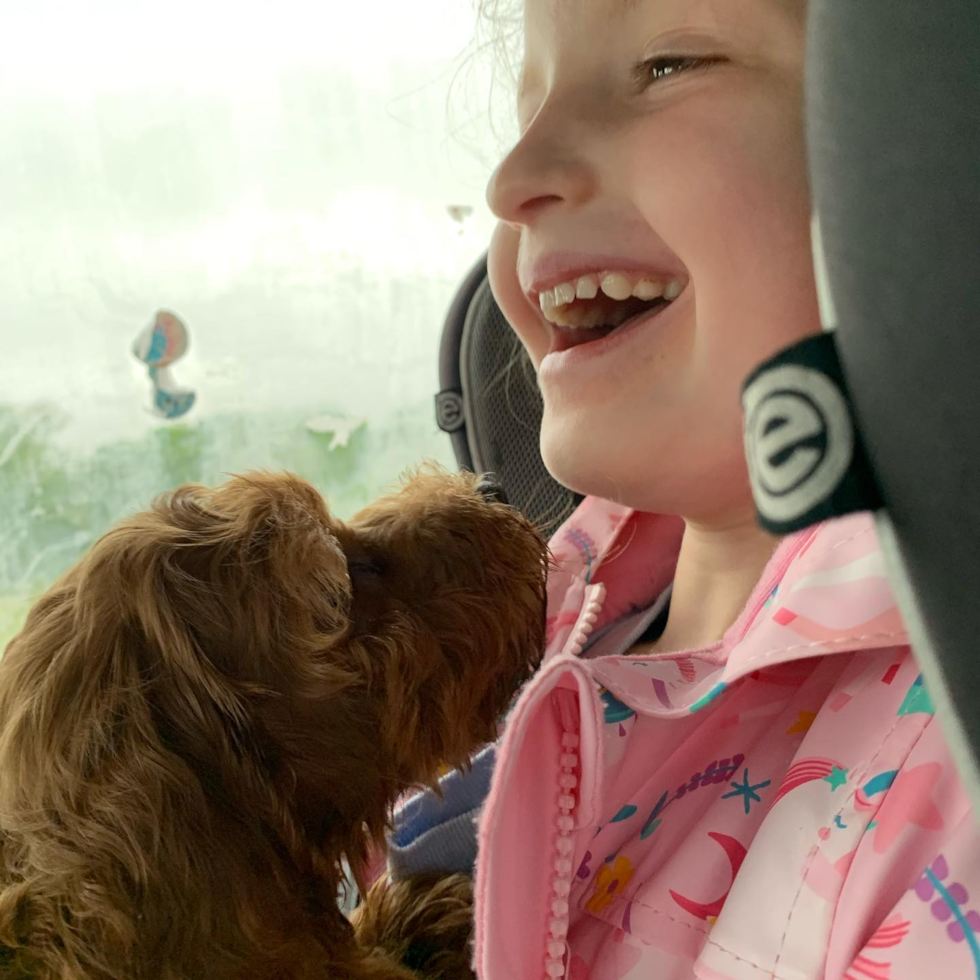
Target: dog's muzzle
x=491 y=490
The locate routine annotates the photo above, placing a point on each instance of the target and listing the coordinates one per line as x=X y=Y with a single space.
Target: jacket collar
x=824 y=591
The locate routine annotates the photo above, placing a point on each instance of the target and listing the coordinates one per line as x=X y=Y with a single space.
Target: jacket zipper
x=556 y=946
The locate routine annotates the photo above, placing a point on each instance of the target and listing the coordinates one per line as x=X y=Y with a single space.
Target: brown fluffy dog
x=220 y=702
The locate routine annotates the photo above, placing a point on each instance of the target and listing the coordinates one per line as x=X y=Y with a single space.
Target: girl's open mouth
x=565 y=338
x=596 y=306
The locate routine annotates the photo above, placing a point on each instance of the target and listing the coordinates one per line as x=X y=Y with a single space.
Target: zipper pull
x=566 y=707
x=594 y=597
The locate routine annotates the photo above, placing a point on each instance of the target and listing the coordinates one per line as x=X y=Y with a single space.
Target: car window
x=229 y=236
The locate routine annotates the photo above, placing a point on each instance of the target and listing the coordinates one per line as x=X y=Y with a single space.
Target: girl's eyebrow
x=623 y=8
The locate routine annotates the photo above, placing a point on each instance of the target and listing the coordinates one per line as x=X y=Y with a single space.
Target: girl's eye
x=657 y=69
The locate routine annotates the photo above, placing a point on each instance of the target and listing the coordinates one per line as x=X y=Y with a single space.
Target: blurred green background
x=55 y=503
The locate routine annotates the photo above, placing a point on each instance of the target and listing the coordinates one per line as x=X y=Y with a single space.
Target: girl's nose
x=543 y=171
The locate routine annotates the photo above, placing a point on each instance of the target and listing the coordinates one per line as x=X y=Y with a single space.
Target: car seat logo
x=450 y=413
x=799 y=441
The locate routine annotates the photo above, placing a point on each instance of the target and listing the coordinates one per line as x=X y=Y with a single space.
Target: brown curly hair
x=219 y=704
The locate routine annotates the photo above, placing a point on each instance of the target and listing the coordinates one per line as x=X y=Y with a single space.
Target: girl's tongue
x=587 y=320
x=602 y=311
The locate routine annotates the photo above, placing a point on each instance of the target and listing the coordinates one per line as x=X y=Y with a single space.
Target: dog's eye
x=365 y=569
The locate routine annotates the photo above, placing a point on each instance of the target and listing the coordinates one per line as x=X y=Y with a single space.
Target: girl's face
x=662 y=140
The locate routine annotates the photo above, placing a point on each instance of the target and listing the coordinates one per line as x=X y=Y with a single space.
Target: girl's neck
x=718 y=568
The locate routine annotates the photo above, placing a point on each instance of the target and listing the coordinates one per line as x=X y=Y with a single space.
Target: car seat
x=490 y=405
x=887 y=401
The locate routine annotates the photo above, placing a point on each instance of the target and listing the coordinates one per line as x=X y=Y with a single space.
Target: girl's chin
x=584 y=453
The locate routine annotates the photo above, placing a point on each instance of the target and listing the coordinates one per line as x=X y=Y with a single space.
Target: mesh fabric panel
x=503 y=414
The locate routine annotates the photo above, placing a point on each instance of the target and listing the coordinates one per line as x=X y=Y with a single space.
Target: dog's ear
x=252 y=569
x=127 y=749
x=194 y=600
x=93 y=792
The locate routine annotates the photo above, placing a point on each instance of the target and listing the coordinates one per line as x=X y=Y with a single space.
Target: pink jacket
x=779 y=805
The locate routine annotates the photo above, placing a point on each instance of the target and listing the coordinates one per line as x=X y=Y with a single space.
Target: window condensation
x=289 y=180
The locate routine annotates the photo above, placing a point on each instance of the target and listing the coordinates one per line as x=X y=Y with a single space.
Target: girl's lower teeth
x=597 y=315
x=575 y=338
x=578 y=334
x=612 y=321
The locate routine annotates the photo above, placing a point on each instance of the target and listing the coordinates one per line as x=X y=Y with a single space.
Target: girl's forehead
x=569 y=11
x=566 y=15
x=596 y=26
x=555 y=25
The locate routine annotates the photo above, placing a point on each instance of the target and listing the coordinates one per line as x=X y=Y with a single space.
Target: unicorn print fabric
x=779 y=806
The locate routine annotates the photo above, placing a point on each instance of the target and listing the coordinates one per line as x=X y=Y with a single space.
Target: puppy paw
x=424 y=922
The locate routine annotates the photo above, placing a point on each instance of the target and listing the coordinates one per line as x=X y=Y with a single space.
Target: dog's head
x=391 y=644
x=239 y=658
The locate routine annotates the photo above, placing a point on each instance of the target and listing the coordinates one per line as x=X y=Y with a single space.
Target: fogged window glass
x=228 y=237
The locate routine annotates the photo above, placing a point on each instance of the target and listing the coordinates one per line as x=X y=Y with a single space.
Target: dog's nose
x=491 y=490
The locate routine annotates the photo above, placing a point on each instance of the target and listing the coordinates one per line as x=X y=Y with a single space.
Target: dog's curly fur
x=219 y=704
x=424 y=921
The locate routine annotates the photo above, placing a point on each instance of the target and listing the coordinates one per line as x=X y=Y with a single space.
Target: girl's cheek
x=502 y=268
x=502 y=262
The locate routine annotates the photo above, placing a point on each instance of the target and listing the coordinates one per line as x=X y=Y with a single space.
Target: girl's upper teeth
x=564 y=293
x=616 y=285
